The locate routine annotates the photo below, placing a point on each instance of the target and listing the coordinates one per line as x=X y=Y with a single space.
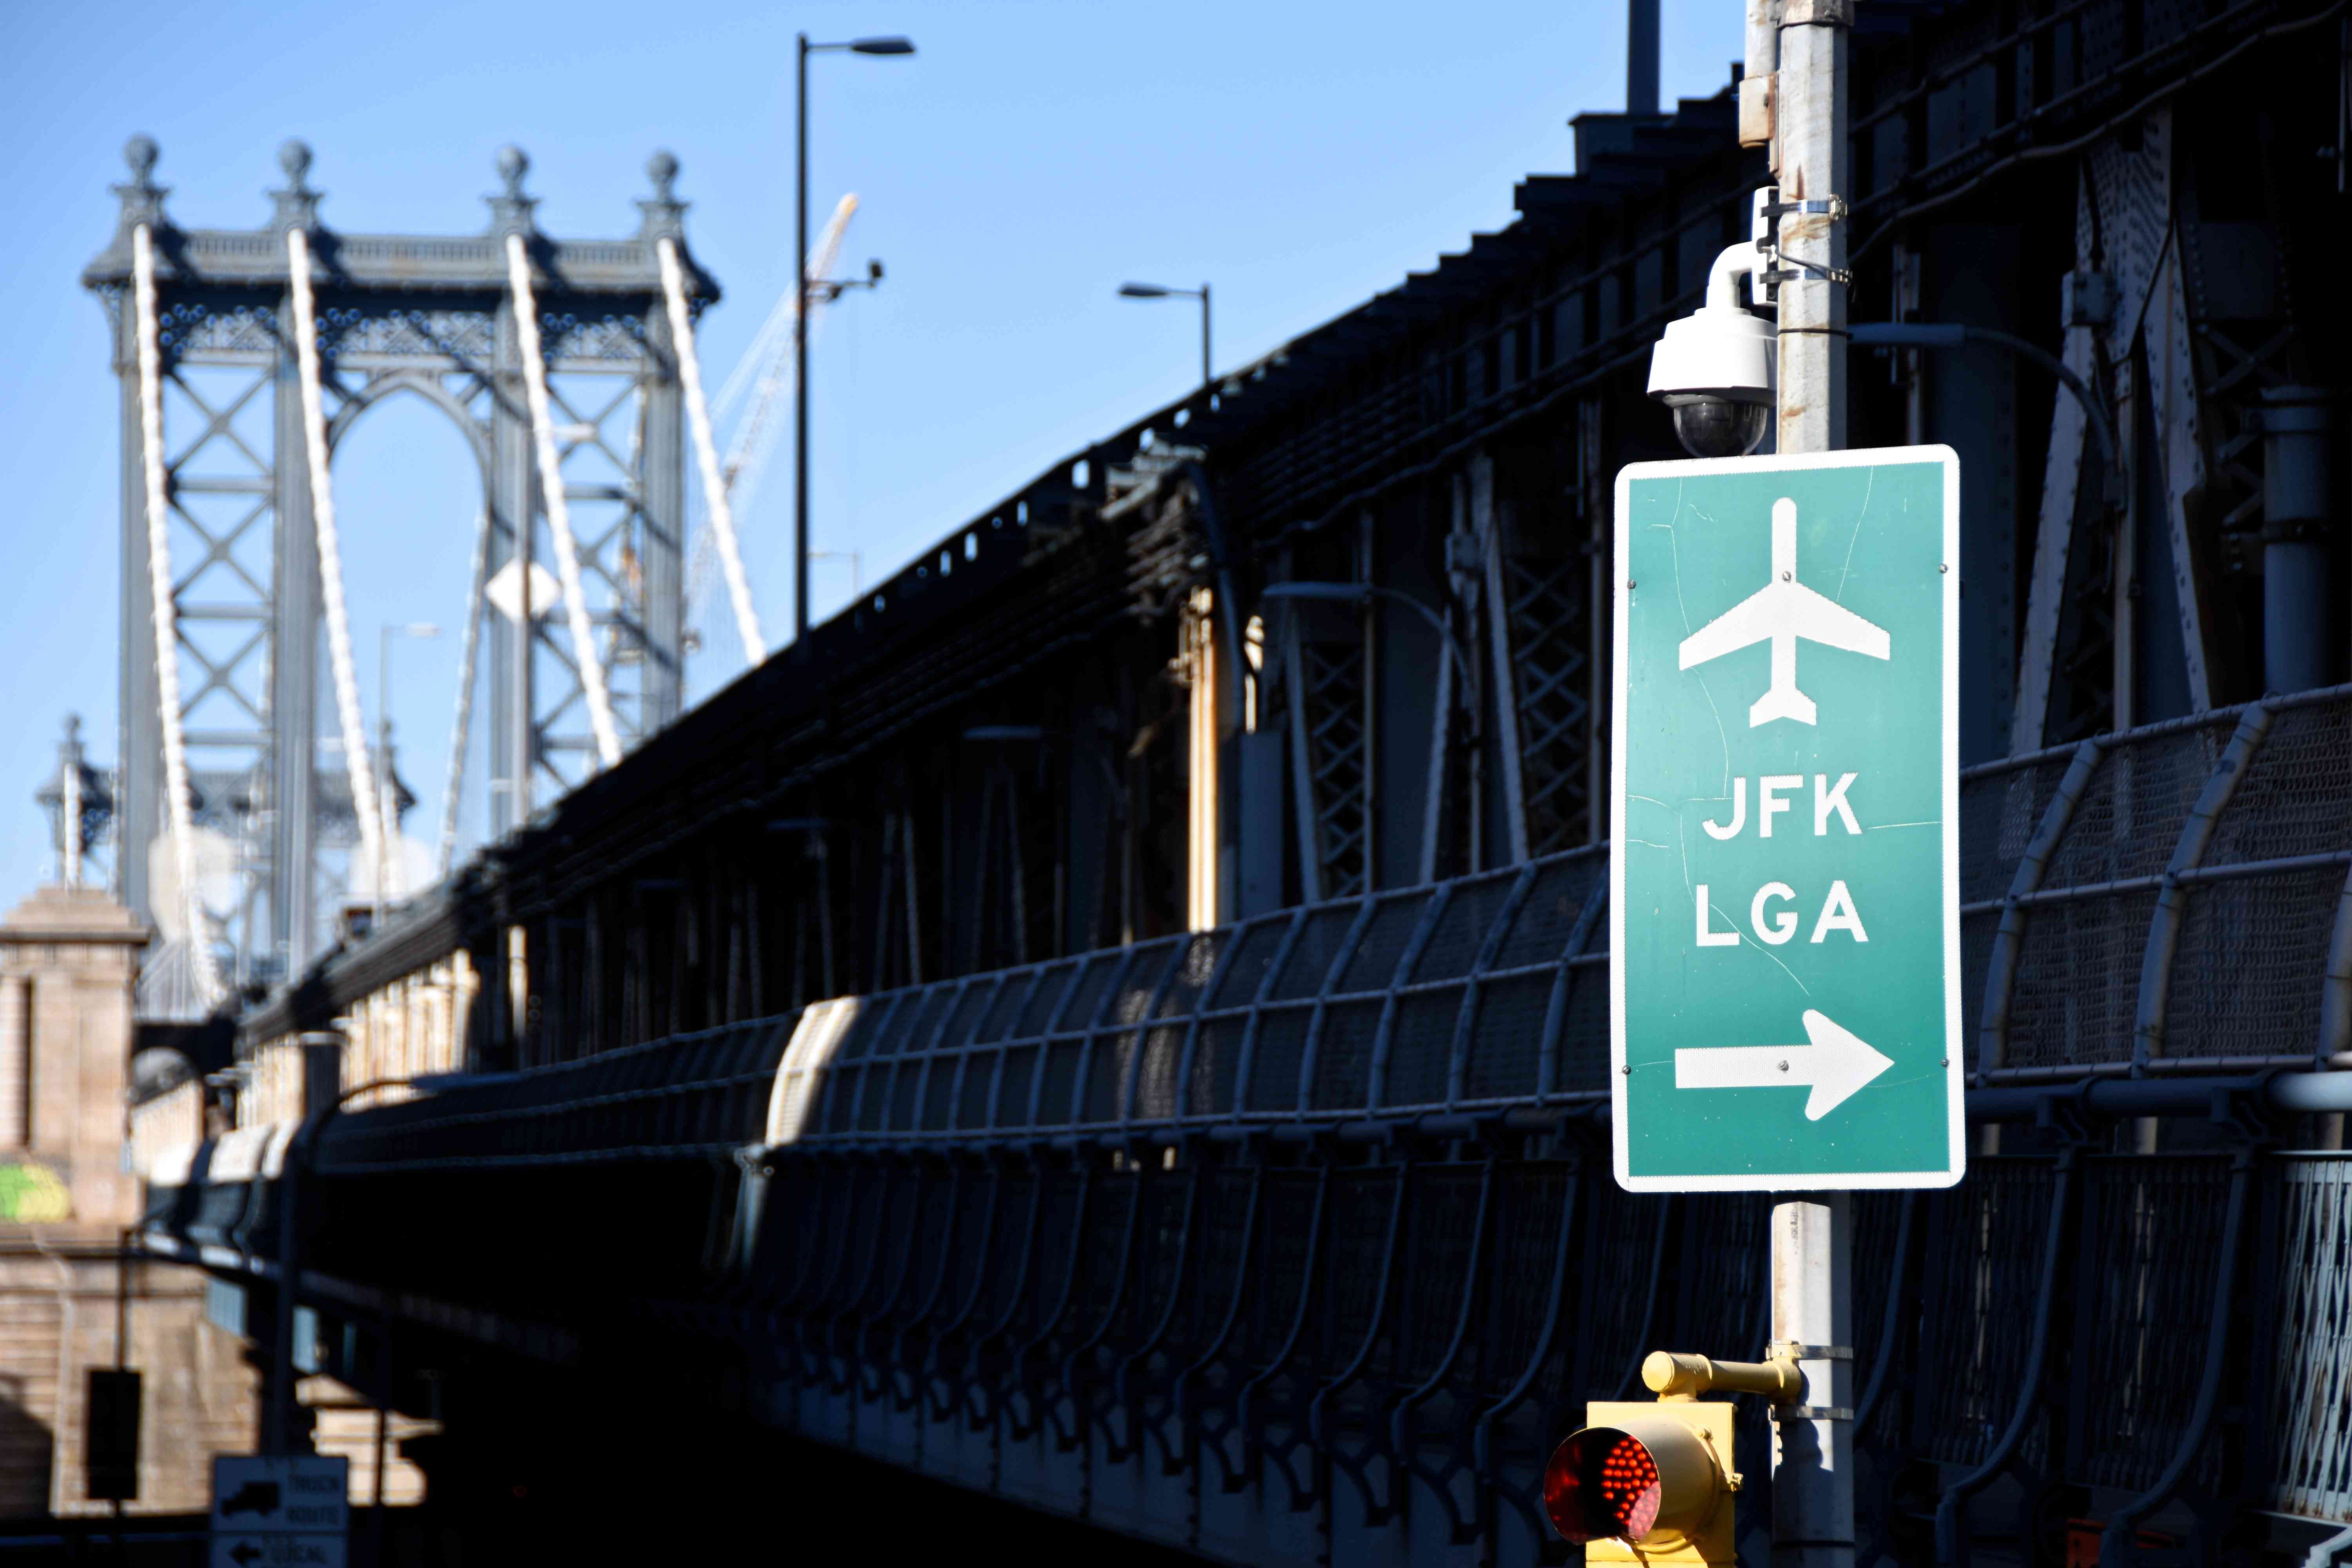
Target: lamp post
x=1161 y=291
x=388 y=814
x=800 y=314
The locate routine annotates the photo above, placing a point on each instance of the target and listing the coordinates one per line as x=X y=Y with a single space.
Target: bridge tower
x=434 y=317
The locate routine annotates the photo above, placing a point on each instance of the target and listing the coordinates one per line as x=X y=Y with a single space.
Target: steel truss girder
x=1544 y=605
x=1326 y=687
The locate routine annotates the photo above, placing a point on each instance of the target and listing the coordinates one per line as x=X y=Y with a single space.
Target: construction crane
x=765 y=375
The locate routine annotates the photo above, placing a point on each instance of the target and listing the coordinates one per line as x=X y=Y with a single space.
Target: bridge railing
x=2168 y=898
x=1482 y=993
x=691 y=1097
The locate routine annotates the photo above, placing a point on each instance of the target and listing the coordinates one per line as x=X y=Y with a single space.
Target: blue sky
x=1031 y=156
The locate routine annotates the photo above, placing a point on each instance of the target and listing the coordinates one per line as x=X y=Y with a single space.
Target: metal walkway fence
x=2171 y=898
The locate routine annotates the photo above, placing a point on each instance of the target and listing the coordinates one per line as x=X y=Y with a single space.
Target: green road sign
x=1784 y=954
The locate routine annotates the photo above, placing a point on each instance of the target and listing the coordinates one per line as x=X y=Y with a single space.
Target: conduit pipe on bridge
x=559 y=512
x=165 y=610
x=331 y=558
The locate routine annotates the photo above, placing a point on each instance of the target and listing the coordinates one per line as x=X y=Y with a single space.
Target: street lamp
x=387 y=813
x=800 y=316
x=1161 y=291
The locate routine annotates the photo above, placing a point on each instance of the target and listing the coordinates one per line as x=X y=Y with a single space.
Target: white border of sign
x=1955 y=1074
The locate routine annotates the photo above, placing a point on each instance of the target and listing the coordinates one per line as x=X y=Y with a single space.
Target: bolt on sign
x=1784 y=907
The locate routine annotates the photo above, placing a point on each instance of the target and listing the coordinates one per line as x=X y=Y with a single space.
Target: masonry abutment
x=68 y=962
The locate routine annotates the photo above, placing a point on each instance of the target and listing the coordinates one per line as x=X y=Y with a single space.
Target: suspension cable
x=352 y=724
x=559 y=513
x=166 y=618
x=455 y=786
x=706 y=451
x=763 y=370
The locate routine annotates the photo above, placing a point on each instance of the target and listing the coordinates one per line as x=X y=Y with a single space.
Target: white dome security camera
x=1714 y=367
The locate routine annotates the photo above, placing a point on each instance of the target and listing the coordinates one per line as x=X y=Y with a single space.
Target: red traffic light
x=1603 y=1484
x=1647 y=1484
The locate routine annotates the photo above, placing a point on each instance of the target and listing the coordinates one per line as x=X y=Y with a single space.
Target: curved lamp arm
x=1360 y=594
x=1951 y=335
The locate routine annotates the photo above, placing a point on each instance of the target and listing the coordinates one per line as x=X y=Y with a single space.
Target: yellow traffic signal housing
x=1654 y=1483
x=1646 y=1483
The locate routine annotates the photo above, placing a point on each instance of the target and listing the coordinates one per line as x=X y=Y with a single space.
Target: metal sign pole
x=1812 y=1447
x=1813 y=1440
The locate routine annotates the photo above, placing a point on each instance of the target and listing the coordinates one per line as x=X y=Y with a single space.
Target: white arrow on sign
x=1837 y=1064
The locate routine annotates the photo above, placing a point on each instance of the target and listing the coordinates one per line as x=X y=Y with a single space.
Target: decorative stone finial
x=665 y=214
x=297 y=203
x=510 y=210
x=142 y=198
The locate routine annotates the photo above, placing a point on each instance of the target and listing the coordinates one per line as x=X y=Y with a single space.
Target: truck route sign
x=1784 y=910
x=280 y=1510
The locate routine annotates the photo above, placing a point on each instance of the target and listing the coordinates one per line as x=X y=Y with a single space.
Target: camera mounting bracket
x=1767 y=209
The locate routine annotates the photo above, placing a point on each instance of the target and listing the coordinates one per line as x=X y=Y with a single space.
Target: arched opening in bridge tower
x=409 y=499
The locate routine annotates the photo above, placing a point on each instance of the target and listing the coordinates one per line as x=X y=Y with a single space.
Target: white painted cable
x=770 y=358
x=706 y=451
x=352 y=722
x=166 y=619
x=454 y=786
x=559 y=512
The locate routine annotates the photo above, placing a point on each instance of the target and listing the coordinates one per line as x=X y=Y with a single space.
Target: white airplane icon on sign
x=1781 y=612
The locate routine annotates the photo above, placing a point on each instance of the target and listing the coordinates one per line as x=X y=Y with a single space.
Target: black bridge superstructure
x=1118 y=1018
